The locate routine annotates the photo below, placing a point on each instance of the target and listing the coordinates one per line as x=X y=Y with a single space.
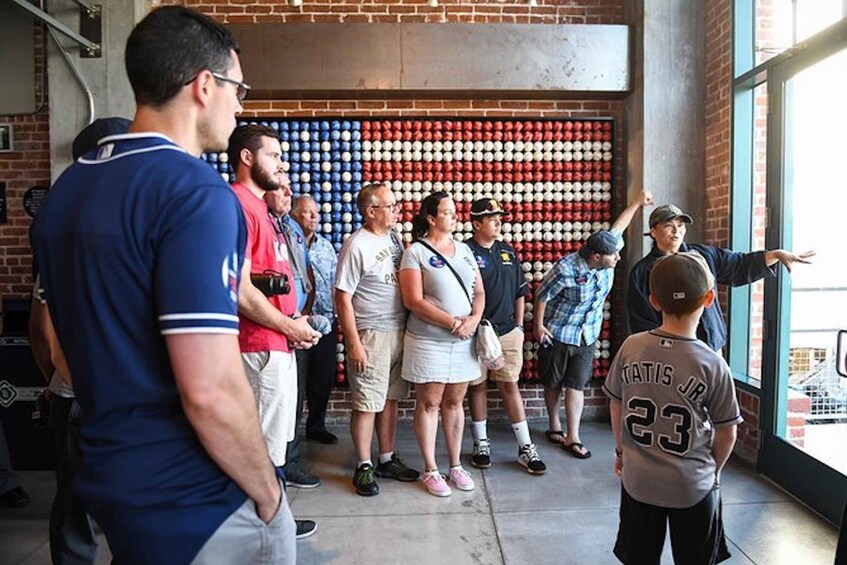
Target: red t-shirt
x=266 y=249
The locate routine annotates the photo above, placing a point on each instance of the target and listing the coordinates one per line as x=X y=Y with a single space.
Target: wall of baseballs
x=554 y=177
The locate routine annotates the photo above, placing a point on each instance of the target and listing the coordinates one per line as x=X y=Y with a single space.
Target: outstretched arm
x=787 y=258
x=645 y=198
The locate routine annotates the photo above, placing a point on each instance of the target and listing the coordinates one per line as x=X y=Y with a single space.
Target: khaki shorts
x=273 y=377
x=381 y=378
x=512 y=344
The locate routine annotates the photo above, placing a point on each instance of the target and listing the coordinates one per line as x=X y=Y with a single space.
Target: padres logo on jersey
x=481 y=261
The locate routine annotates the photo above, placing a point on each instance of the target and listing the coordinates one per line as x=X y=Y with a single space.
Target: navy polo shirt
x=503 y=281
x=138 y=240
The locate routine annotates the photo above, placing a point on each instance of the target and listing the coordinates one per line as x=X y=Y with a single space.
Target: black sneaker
x=305 y=528
x=297 y=478
x=322 y=436
x=481 y=458
x=397 y=470
x=15 y=498
x=364 y=480
x=529 y=459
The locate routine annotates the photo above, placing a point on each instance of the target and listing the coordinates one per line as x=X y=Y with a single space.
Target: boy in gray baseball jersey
x=674 y=417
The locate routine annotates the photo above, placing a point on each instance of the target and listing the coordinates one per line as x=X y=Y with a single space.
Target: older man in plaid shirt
x=568 y=318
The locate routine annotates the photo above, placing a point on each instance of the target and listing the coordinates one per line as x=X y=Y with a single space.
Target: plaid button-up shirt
x=575 y=294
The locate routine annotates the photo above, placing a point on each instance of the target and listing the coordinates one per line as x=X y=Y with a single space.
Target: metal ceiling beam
x=91 y=47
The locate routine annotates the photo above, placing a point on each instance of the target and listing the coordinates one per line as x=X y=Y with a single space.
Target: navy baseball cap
x=486 y=207
x=87 y=139
x=604 y=242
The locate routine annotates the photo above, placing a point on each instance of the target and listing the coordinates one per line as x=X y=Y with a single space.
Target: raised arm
x=644 y=198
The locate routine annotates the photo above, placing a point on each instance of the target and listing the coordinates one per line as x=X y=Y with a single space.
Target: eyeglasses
x=241 y=88
x=394 y=206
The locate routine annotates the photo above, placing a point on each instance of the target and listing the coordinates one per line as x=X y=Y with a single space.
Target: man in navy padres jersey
x=674 y=417
x=568 y=317
x=505 y=292
x=140 y=246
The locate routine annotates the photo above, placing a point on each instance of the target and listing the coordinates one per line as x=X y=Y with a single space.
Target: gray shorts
x=244 y=538
x=566 y=366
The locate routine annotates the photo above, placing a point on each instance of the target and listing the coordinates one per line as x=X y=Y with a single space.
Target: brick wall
x=27 y=166
x=412 y=11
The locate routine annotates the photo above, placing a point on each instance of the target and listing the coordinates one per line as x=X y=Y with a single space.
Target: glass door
x=805 y=440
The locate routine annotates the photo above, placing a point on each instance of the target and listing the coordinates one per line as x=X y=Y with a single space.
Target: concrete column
x=105 y=77
x=665 y=113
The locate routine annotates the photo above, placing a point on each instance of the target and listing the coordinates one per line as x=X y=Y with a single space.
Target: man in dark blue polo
x=140 y=246
x=505 y=293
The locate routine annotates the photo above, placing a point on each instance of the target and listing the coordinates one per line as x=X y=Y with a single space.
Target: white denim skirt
x=436 y=361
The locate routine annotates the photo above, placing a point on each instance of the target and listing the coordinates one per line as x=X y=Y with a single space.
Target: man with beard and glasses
x=139 y=246
x=269 y=332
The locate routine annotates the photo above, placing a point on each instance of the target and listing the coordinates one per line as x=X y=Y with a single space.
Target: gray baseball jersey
x=673 y=391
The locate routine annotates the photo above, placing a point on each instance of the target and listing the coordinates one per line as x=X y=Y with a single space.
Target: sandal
x=555 y=436
x=573 y=449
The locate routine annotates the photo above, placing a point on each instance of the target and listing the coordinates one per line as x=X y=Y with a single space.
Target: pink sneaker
x=461 y=478
x=435 y=484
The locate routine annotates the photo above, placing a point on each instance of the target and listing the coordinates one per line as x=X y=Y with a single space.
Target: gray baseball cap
x=681 y=276
x=667 y=213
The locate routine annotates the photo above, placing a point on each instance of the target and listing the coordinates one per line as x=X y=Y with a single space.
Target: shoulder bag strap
x=443 y=258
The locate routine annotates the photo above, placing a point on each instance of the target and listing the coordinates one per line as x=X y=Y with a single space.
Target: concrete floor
x=568 y=516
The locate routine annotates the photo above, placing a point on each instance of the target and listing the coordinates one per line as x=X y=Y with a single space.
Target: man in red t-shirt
x=268 y=334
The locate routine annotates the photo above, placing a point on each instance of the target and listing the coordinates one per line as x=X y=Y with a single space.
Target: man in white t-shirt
x=373 y=319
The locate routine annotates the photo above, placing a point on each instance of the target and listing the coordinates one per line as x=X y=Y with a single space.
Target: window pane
x=774 y=28
x=757 y=227
x=815 y=15
x=816 y=118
